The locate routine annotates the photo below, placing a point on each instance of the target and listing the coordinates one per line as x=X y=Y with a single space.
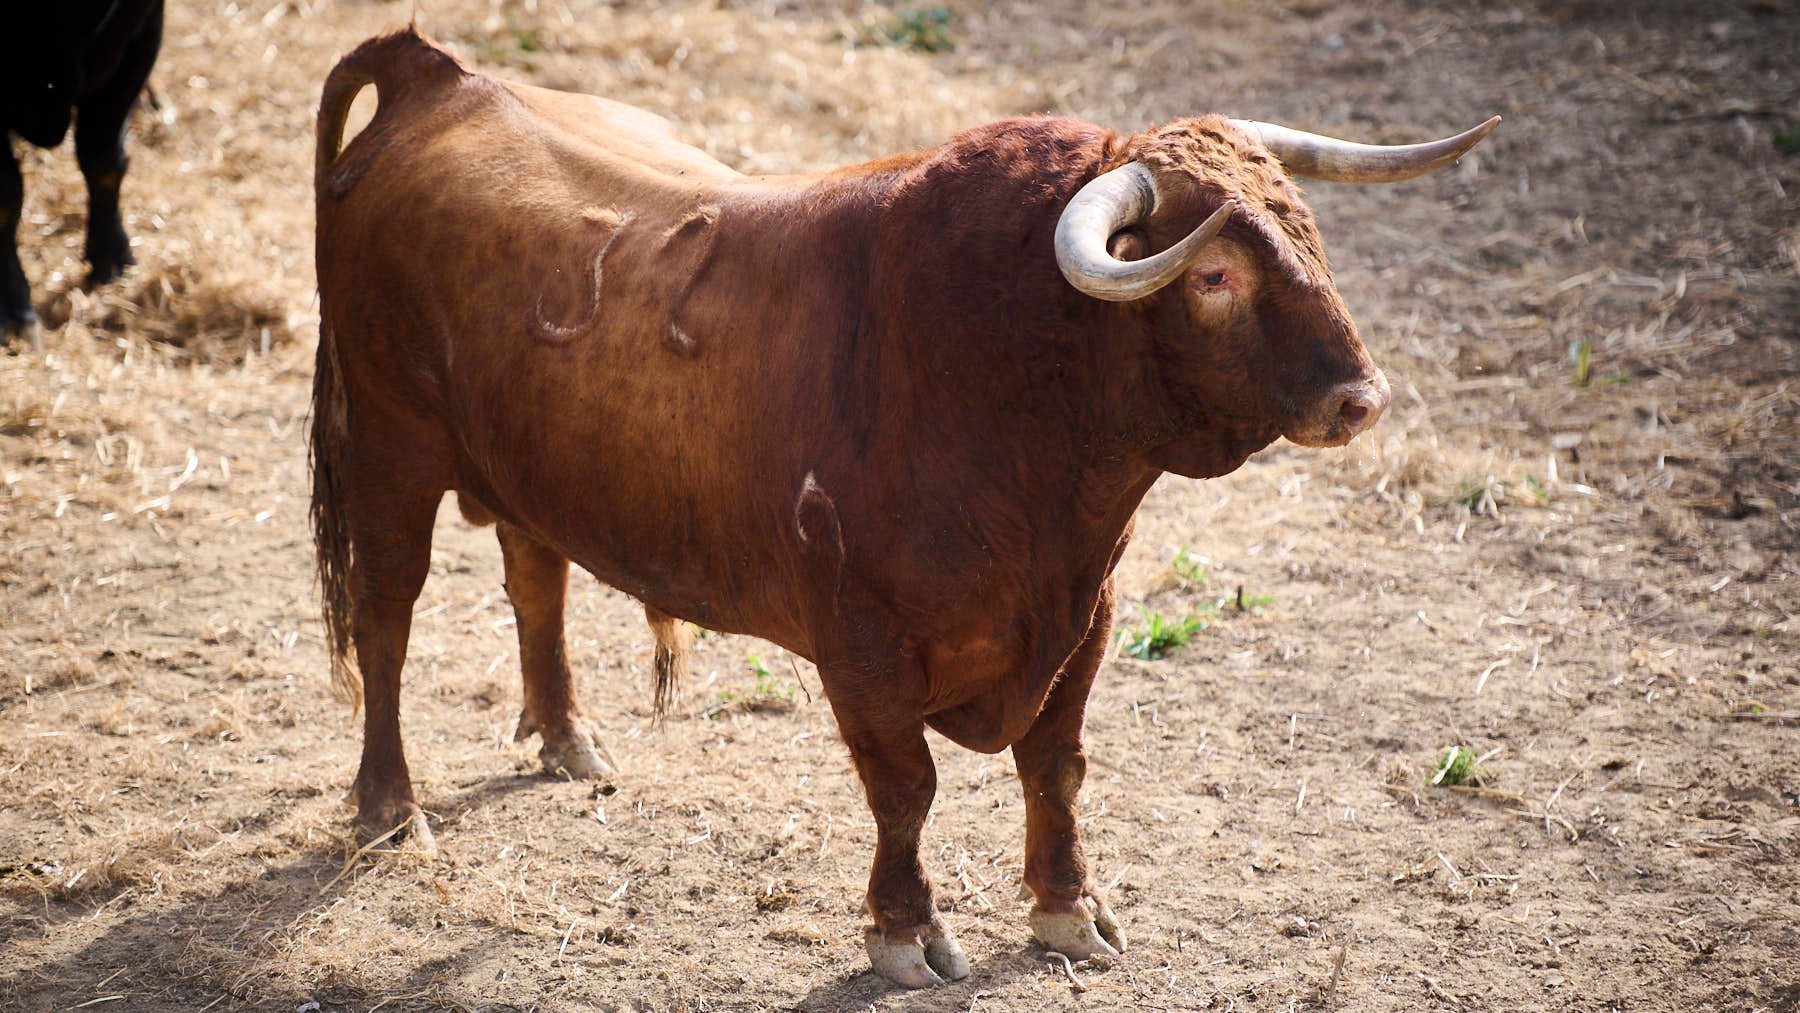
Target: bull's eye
x=1213 y=279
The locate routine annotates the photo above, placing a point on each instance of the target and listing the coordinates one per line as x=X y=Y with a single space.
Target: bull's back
x=541 y=278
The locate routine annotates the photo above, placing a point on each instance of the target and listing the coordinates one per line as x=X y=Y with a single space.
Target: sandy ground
x=1589 y=575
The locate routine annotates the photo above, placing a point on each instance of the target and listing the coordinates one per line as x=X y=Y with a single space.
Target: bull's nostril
x=1349 y=409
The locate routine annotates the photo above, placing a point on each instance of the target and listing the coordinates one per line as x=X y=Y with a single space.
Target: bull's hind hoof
x=26 y=328
x=416 y=838
x=576 y=760
x=399 y=829
x=918 y=958
x=1077 y=934
x=575 y=754
x=411 y=837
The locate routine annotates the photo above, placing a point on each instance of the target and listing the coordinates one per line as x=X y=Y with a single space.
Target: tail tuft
x=674 y=641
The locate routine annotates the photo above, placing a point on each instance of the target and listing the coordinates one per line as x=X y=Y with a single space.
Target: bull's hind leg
x=537 y=581
x=391 y=516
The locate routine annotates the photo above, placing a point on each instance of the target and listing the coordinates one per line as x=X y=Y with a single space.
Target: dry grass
x=1601 y=577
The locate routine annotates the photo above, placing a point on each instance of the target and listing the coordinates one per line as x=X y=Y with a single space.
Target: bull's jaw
x=1210 y=452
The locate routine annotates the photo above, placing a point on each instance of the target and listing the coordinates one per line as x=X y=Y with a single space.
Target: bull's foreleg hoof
x=576 y=753
x=917 y=958
x=1090 y=929
x=106 y=266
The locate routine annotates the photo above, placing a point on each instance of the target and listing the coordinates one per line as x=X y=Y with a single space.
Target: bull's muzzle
x=1359 y=404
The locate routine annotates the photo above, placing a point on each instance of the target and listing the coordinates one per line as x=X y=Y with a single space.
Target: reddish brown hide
x=858 y=413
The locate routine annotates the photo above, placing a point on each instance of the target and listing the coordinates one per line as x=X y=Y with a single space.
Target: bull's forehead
x=1219 y=161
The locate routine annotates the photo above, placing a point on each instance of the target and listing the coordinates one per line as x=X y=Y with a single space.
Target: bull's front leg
x=909 y=945
x=100 y=148
x=1070 y=916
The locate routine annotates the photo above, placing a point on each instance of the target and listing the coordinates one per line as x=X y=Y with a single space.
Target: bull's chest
x=985 y=689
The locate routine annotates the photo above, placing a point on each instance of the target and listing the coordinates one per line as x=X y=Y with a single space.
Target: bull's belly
x=630 y=544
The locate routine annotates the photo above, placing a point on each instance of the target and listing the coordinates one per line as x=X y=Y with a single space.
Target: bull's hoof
x=31 y=331
x=401 y=829
x=576 y=753
x=1090 y=930
x=917 y=958
x=575 y=759
x=387 y=819
x=14 y=327
x=108 y=260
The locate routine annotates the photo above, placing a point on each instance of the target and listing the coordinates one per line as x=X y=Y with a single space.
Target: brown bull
x=895 y=417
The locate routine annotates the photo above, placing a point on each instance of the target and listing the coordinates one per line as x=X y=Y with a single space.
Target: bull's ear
x=1129 y=244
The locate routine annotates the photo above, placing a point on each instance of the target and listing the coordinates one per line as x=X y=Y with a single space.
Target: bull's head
x=1254 y=340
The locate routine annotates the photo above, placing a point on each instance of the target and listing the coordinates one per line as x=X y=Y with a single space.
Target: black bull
x=63 y=60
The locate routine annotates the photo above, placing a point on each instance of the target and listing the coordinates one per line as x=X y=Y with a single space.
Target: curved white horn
x=1315 y=156
x=1112 y=201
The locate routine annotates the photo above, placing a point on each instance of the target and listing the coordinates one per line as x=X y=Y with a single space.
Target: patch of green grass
x=768 y=694
x=526 y=37
x=1581 y=360
x=1251 y=603
x=1535 y=487
x=1484 y=497
x=922 y=29
x=1478 y=497
x=1188 y=571
x=1455 y=765
x=1160 y=636
x=1787 y=138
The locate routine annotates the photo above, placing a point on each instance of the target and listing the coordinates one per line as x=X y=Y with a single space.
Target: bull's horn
x=1315 y=156
x=1112 y=201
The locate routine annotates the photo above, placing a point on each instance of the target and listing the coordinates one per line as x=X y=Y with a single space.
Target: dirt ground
x=1570 y=547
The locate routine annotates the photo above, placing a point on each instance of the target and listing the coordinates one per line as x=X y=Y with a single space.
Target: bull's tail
x=353 y=73
x=397 y=64
x=674 y=639
x=328 y=451
x=403 y=67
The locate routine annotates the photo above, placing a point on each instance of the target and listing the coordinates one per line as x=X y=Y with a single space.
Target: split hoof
x=920 y=958
x=575 y=754
x=417 y=838
x=576 y=760
x=1075 y=934
x=404 y=833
